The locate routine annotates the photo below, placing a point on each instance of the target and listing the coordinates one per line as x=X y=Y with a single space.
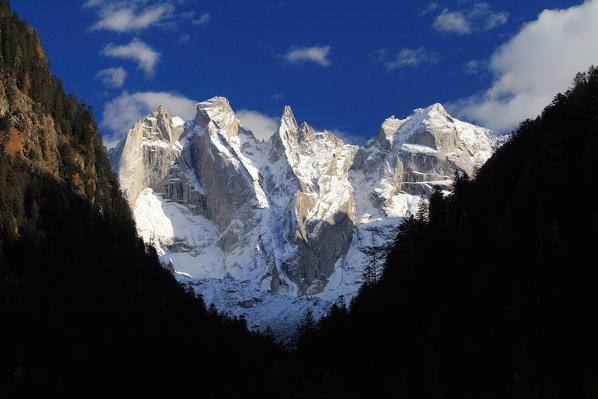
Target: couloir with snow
x=269 y=229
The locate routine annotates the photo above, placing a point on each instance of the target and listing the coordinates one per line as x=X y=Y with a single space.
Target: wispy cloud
x=112 y=77
x=315 y=54
x=191 y=17
x=137 y=51
x=92 y=3
x=127 y=19
x=136 y=15
x=534 y=65
x=204 y=19
x=121 y=113
x=453 y=22
x=477 y=67
x=429 y=8
x=479 y=17
x=262 y=125
x=406 y=57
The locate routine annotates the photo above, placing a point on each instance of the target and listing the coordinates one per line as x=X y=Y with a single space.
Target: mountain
x=493 y=293
x=269 y=229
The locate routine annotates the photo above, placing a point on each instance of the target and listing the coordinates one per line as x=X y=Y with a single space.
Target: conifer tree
x=422 y=209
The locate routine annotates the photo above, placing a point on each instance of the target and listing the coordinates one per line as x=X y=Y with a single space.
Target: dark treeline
x=491 y=291
x=85 y=307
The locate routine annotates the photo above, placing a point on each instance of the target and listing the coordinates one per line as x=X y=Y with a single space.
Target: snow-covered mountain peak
x=436 y=108
x=270 y=228
x=434 y=129
x=431 y=127
x=218 y=111
x=435 y=115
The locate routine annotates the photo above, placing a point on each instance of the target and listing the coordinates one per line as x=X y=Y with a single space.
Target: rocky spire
x=218 y=111
x=288 y=124
x=306 y=133
x=285 y=140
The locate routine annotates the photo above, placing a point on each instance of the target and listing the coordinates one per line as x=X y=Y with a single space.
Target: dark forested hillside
x=491 y=293
x=85 y=307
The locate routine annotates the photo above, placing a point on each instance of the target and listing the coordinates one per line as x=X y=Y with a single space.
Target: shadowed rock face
x=320 y=254
x=290 y=213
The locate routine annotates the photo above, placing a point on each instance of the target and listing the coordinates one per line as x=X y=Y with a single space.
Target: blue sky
x=341 y=65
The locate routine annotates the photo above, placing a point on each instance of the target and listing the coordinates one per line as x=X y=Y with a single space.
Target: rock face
x=411 y=155
x=145 y=157
x=257 y=224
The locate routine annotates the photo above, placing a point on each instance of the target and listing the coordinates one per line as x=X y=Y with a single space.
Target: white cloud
x=496 y=20
x=121 y=113
x=92 y=3
x=479 y=17
x=112 y=77
x=138 y=51
x=126 y=19
x=316 y=54
x=190 y=16
x=406 y=58
x=454 y=22
x=137 y=15
x=262 y=126
x=379 y=55
x=430 y=8
x=204 y=19
x=536 y=64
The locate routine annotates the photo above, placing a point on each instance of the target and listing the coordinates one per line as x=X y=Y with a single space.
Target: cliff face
x=151 y=148
x=28 y=134
x=51 y=132
x=292 y=216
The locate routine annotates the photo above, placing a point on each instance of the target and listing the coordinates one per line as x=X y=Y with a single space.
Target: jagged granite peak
x=288 y=121
x=218 y=111
x=306 y=133
x=285 y=139
x=268 y=229
x=148 y=151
